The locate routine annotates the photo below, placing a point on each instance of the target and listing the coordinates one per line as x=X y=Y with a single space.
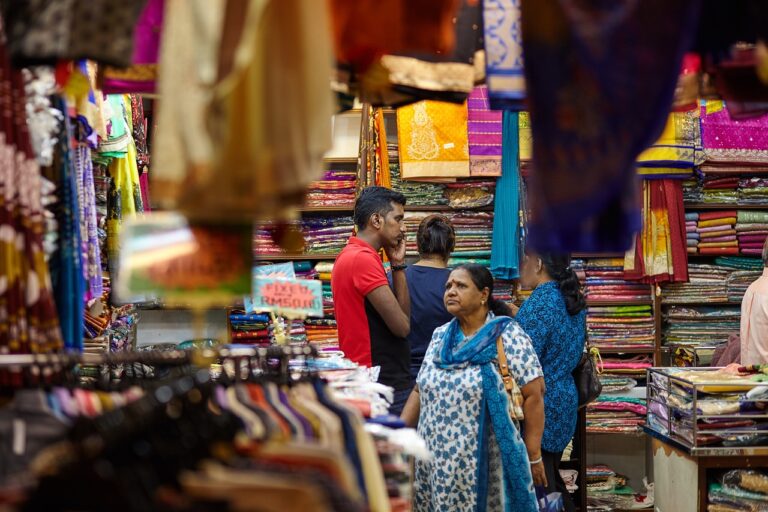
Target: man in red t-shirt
x=374 y=318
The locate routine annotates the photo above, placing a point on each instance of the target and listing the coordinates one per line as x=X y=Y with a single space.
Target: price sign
x=301 y=297
x=164 y=256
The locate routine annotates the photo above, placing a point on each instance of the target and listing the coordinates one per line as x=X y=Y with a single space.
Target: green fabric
x=752 y=216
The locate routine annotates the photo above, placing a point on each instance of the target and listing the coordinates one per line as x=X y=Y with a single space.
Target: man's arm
x=390 y=308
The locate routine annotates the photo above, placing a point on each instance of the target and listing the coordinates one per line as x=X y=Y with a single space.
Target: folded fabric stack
x=729 y=141
x=616 y=384
x=692 y=235
x=707 y=284
x=620 y=326
x=504 y=290
x=474 y=231
x=739 y=281
x=753 y=190
x=717 y=233
x=322 y=236
x=607 y=491
x=739 y=490
x=605 y=281
x=626 y=366
x=323 y=331
x=337 y=188
x=692 y=190
x=417 y=193
x=752 y=230
x=720 y=189
x=696 y=326
x=616 y=414
x=250 y=328
x=740 y=263
x=470 y=193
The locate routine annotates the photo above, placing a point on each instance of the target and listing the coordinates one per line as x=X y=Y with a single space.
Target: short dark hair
x=375 y=200
x=436 y=236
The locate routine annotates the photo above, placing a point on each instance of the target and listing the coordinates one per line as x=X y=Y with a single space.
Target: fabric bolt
x=558 y=339
x=433 y=140
x=461 y=392
x=503 y=38
x=582 y=187
x=729 y=140
x=505 y=249
x=484 y=134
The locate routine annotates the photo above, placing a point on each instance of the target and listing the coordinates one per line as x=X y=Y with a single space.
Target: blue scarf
x=481 y=350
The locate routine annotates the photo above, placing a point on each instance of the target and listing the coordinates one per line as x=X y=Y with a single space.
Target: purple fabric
x=712 y=229
x=91 y=251
x=720 y=131
x=484 y=125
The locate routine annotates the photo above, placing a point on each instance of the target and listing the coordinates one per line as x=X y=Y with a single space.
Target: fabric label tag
x=19 y=437
x=449 y=145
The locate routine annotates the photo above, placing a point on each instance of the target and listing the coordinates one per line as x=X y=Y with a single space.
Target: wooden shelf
x=340 y=160
x=719 y=206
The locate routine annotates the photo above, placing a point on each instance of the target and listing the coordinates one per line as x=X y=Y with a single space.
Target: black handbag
x=585 y=375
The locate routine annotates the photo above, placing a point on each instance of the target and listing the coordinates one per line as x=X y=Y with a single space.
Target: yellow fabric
x=677 y=142
x=525 y=136
x=433 y=140
x=726 y=221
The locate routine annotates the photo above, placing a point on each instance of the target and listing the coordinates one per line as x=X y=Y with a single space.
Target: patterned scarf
x=480 y=350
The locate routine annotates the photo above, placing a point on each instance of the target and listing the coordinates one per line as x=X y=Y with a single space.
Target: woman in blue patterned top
x=554 y=317
x=480 y=461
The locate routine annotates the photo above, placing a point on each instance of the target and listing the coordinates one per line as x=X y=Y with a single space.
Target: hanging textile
x=433 y=140
x=504 y=71
x=67 y=269
x=89 y=228
x=505 y=248
x=677 y=152
x=660 y=251
x=485 y=135
x=141 y=75
x=47 y=31
x=26 y=298
x=590 y=121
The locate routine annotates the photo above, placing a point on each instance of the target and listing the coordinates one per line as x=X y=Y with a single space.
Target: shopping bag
x=552 y=502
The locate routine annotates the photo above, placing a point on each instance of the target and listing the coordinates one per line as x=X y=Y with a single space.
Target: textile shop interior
x=264 y=255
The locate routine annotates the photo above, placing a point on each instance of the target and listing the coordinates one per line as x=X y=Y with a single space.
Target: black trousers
x=554 y=480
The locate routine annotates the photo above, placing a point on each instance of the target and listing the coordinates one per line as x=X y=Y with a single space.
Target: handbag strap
x=503 y=366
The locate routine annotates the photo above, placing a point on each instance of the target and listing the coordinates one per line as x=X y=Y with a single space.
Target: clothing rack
x=155 y=357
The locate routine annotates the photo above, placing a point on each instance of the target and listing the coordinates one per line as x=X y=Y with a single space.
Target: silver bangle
x=534 y=462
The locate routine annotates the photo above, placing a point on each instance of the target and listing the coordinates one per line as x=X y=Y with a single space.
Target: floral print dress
x=449 y=421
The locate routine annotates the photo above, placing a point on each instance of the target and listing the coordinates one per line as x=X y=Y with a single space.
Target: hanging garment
x=660 y=253
x=589 y=121
x=504 y=71
x=677 y=151
x=141 y=75
x=505 y=253
x=42 y=32
x=433 y=140
x=485 y=135
x=26 y=298
x=91 y=250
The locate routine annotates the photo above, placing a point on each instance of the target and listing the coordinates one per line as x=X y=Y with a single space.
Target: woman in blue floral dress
x=554 y=317
x=480 y=461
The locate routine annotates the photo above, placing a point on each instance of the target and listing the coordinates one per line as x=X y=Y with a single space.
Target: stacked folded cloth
x=717 y=233
x=616 y=383
x=752 y=230
x=620 y=326
x=693 y=190
x=692 y=235
x=605 y=281
x=733 y=141
x=474 y=231
x=607 y=491
x=416 y=193
x=616 y=414
x=250 y=328
x=753 y=190
x=707 y=283
x=738 y=282
x=739 y=490
x=470 y=193
x=323 y=331
x=700 y=325
x=322 y=236
x=336 y=188
x=626 y=366
x=504 y=290
x=720 y=189
x=740 y=263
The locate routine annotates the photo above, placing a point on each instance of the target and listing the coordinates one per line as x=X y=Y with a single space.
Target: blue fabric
x=505 y=245
x=558 y=339
x=426 y=287
x=480 y=350
x=398 y=404
x=66 y=264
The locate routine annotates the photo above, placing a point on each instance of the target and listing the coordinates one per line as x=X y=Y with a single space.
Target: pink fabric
x=144 y=184
x=713 y=228
x=720 y=131
x=728 y=238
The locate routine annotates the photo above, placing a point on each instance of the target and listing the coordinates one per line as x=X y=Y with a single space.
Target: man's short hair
x=375 y=200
